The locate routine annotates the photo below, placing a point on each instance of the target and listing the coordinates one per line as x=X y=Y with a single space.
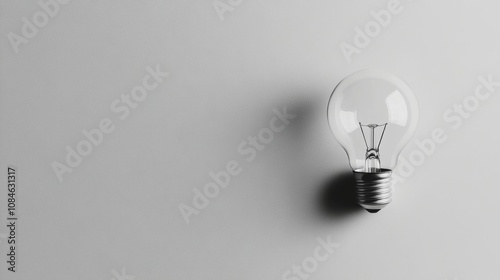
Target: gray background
x=119 y=208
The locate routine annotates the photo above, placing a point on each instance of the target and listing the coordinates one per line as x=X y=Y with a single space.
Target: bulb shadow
x=337 y=196
x=334 y=196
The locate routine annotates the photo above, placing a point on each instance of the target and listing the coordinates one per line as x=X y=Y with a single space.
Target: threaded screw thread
x=373 y=190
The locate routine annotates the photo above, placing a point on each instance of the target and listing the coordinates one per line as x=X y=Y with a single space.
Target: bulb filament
x=372 y=161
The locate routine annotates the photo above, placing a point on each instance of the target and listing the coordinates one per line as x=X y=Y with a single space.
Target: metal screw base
x=373 y=190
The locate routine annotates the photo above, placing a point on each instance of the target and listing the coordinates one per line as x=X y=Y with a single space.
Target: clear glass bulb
x=373 y=114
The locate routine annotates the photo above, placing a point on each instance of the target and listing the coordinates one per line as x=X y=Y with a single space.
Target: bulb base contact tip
x=373 y=190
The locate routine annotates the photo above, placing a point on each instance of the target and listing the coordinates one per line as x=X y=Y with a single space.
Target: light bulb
x=373 y=114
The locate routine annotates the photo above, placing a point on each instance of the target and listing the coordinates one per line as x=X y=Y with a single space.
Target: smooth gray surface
x=119 y=209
